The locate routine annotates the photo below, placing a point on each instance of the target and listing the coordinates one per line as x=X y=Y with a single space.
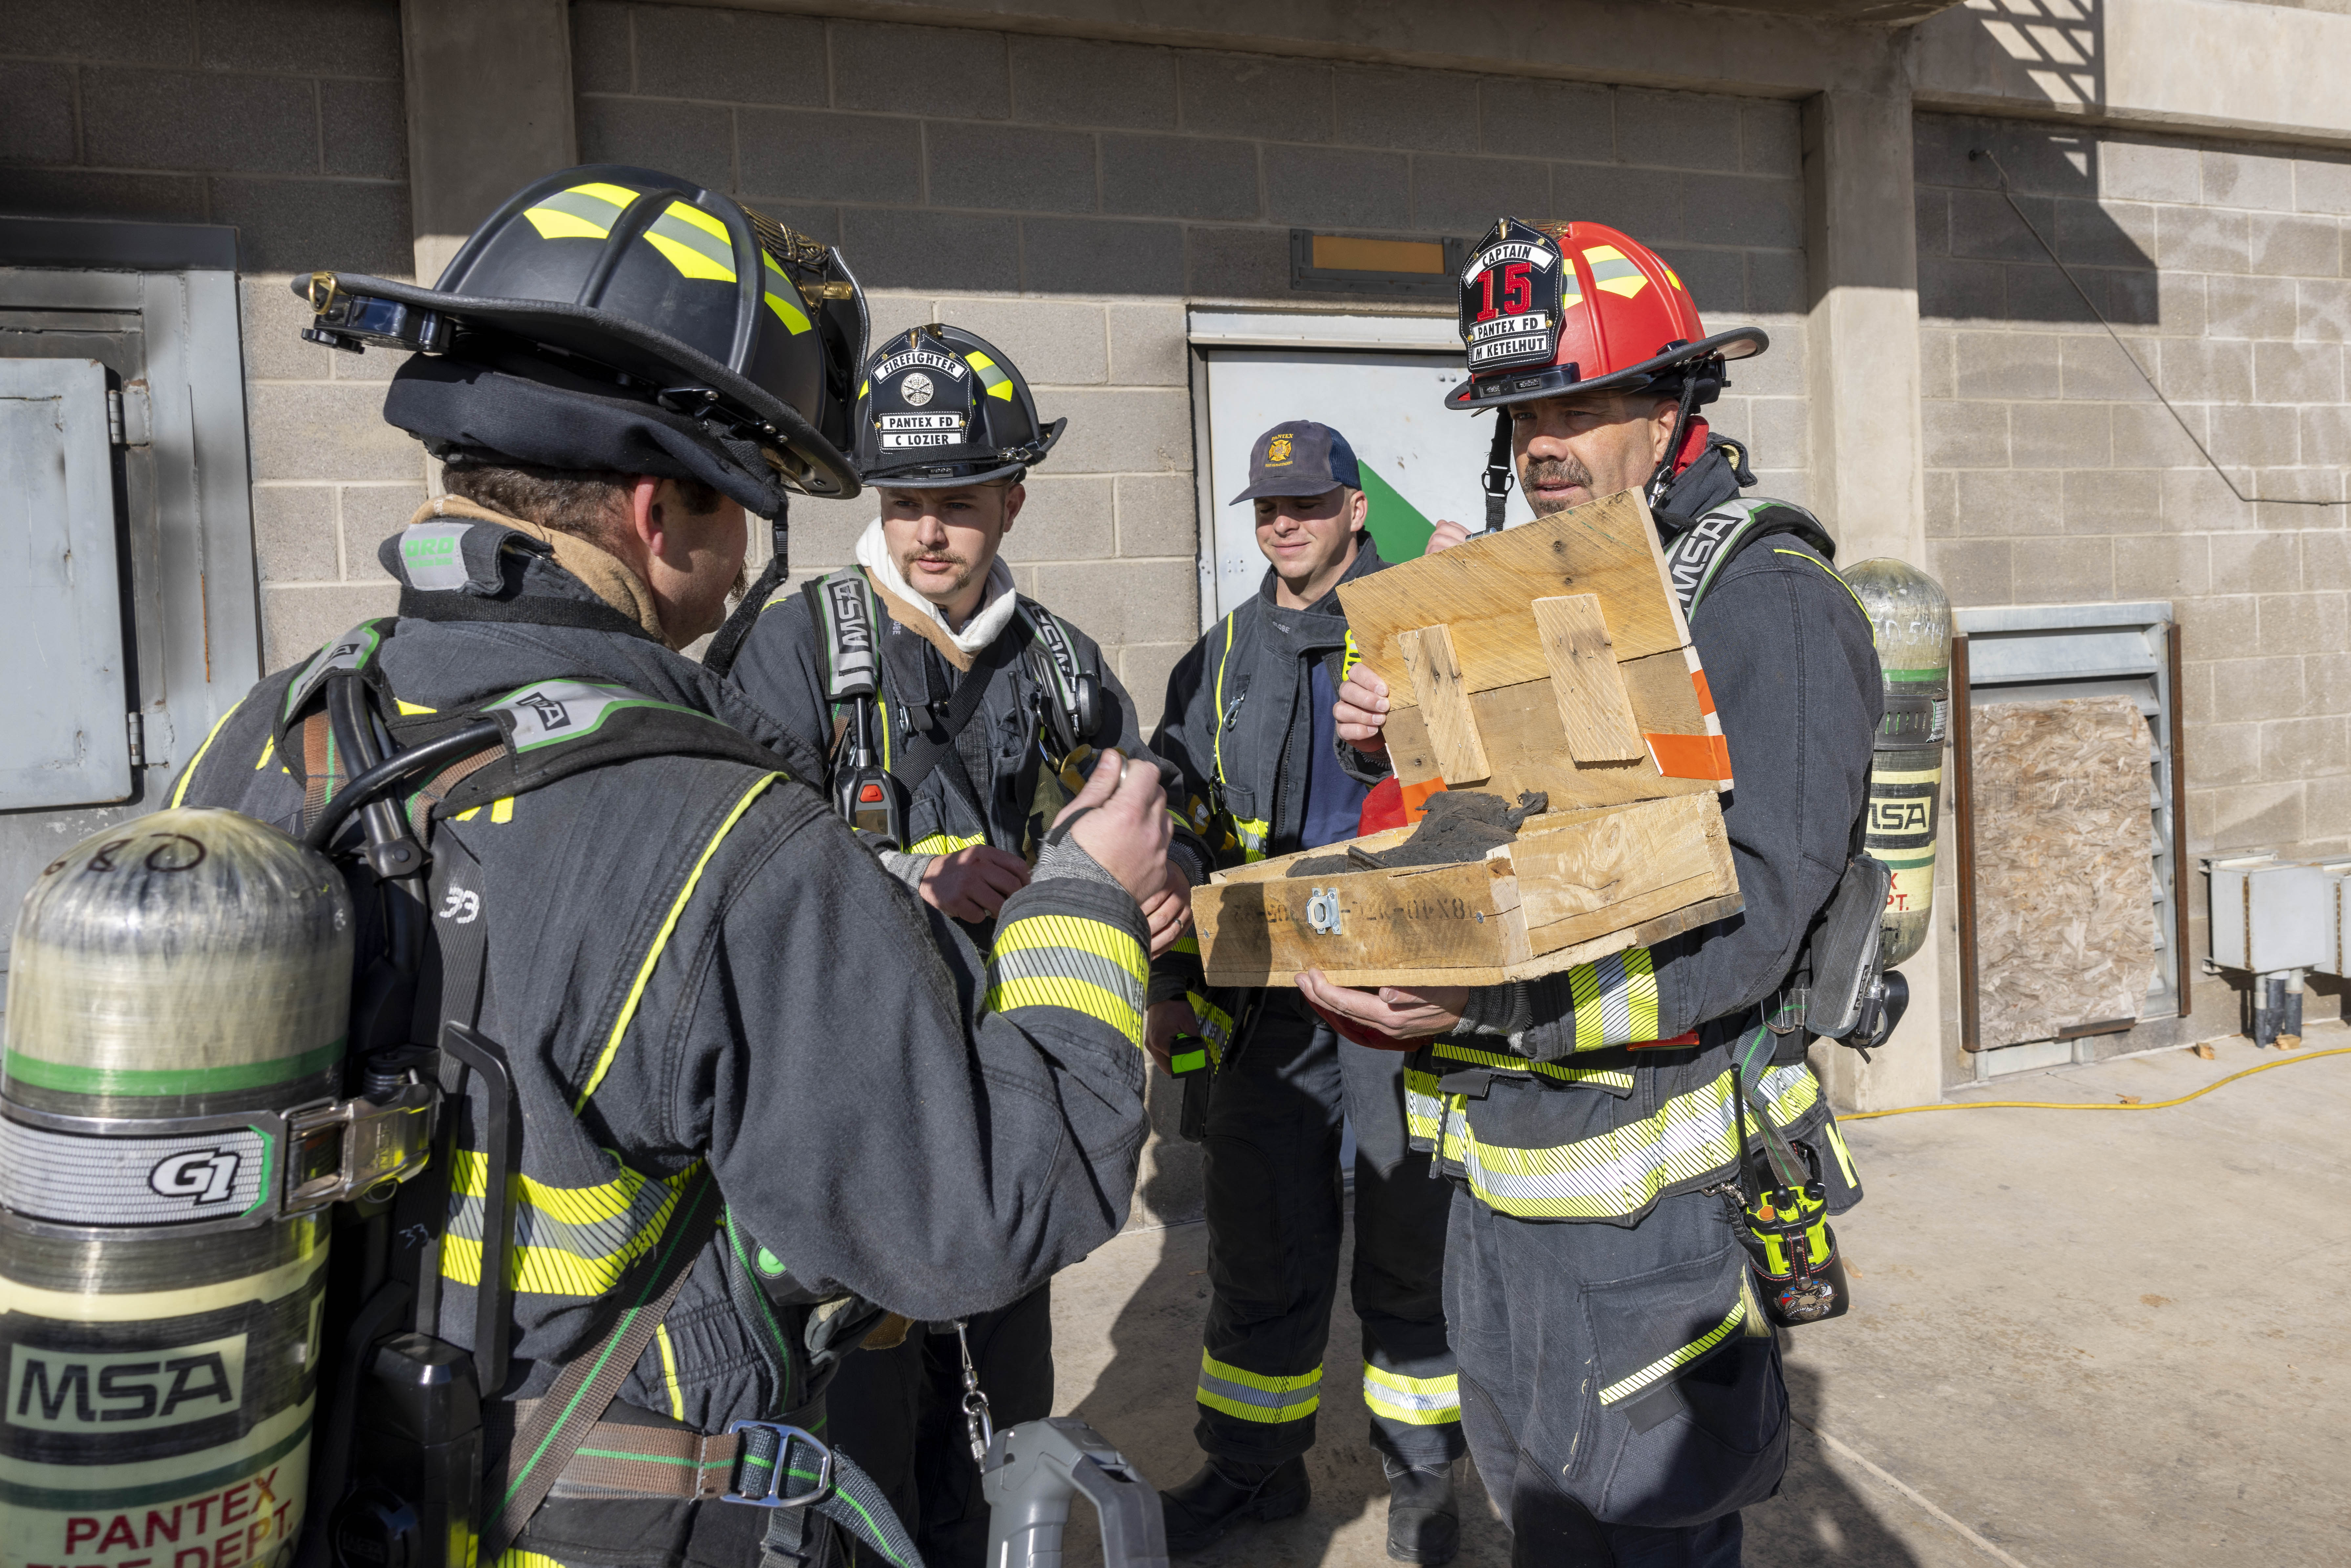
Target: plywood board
x=1594 y=708
x=2064 y=878
x=1444 y=703
x=1573 y=883
x=1482 y=591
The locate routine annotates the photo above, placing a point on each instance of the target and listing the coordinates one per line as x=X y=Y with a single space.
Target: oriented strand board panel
x=2065 y=929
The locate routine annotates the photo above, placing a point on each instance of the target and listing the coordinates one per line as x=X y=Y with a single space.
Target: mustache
x=1557 y=471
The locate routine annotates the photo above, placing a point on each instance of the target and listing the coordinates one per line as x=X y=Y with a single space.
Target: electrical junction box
x=2270 y=914
x=2335 y=896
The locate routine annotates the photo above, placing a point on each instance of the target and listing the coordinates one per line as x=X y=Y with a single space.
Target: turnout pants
x=1274 y=1232
x=1620 y=1386
x=899 y=1413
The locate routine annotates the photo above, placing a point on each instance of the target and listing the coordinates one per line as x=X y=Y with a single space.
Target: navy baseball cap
x=1300 y=458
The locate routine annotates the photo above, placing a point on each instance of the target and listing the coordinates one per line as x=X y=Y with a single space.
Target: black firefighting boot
x=1424 y=1521
x=1227 y=1491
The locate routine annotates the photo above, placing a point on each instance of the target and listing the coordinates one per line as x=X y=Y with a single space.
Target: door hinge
x=128 y=416
x=137 y=721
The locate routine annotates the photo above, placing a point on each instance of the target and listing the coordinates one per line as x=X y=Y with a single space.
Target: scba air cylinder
x=178 y=982
x=1912 y=619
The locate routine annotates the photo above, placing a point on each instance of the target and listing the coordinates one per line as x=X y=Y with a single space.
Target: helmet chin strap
x=1669 y=464
x=1497 y=478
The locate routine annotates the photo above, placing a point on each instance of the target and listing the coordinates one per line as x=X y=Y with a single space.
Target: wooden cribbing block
x=1594 y=708
x=1444 y=704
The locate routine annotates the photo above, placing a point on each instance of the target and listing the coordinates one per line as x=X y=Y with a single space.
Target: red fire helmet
x=1552 y=308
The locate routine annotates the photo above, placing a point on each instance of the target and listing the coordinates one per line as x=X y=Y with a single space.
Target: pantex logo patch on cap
x=1277 y=451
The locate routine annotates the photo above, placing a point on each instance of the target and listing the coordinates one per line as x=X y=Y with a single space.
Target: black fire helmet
x=623 y=320
x=940 y=407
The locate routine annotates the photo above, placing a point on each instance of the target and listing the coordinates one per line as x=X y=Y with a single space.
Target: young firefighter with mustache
x=1620 y=1385
x=957 y=716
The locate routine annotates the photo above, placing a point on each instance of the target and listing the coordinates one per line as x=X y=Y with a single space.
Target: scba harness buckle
x=777 y=1464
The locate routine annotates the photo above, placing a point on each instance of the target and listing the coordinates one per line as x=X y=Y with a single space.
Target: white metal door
x=1421 y=461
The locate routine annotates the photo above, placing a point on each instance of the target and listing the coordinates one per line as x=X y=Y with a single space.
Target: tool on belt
x=1783 y=1222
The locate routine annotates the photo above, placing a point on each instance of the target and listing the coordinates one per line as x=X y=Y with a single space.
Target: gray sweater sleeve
x=1790 y=660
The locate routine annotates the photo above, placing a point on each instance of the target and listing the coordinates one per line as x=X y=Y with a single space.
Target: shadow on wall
x=1978 y=261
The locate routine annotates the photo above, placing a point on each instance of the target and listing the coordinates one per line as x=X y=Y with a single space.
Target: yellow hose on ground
x=2093 y=1104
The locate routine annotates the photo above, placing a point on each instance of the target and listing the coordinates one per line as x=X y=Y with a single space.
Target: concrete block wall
x=1063 y=198
x=286 y=121
x=2055 y=475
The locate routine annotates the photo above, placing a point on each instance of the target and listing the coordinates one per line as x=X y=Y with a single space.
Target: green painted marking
x=1395 y=524
x=70 y=1079
x=1939 y=672
x=268 y=1163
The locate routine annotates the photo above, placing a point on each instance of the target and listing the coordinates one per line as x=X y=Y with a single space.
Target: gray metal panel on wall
x=64 y=734
x=184 y=521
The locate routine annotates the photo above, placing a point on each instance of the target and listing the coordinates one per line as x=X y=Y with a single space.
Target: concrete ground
x=2080 y=1338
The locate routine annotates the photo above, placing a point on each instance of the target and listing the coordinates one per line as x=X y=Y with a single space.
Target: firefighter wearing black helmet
x=957 y=714
x=670 y=1195
x=1620 y=1383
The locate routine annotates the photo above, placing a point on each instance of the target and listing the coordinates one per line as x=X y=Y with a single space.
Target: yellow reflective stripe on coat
x=1615 y=999
x=181 y=793
x=1256 y=1396
x=1416 y=1401
x=1422 y=1105
x=1086 y=967
x=1621 y=1171
x=948 y=843
x=661 y=940
x=1609 y=1077
x=1216 y=1025
x=1665 y=1366
x=516 y=1557
x=669 y=1371
x=568 y=1240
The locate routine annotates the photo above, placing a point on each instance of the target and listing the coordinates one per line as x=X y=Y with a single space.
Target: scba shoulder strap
x=1702 y=546
x=843 y=607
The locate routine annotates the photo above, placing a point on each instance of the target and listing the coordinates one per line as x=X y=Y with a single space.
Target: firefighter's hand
x=1126 y=826
x=1168 y=911
x=1163 y=1022
x=1391 y=1011
x=972 y=885
x=1362 y=710
x=1445 y=536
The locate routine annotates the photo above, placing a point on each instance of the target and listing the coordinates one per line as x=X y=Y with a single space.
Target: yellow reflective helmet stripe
x=1416 y=1401
x=1255 y=1396
x=661 y=939
x=788 y=310
x=583 y=212
x=997 y=383
x=1665 y=1366
x=684 y=234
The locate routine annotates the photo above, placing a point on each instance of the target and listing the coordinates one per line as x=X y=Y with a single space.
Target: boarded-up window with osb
x=2064 y=885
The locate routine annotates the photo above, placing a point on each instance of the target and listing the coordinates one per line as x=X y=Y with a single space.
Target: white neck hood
x=997 y=601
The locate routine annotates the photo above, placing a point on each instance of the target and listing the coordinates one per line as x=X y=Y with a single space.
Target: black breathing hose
x=384 y=775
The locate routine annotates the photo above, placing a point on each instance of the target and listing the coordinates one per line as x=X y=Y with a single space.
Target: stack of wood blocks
x=1553 y=658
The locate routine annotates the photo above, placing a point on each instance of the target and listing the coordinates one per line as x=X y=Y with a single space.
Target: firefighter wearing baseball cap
x=1620 y=1381
x=1249 y=720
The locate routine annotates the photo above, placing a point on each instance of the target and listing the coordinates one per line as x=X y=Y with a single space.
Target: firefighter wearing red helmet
x=1620 y=1378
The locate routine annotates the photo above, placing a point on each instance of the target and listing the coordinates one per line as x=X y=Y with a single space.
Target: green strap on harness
x=545 y=1443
